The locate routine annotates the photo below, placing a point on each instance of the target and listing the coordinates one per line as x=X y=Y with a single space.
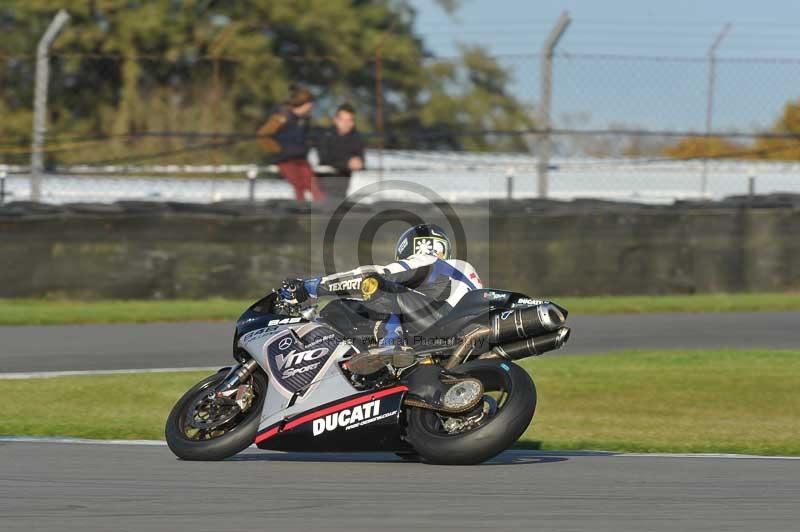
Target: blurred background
x=559 y=111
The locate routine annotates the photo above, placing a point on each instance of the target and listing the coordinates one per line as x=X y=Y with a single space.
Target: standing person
x=286 y=134
x=342 y=148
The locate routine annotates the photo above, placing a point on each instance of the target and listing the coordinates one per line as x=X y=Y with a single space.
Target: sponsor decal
x=369 y=287
x=321 y=339
x=524 y=301
x=494 y=296
x=288 y=363
x=295 y=361
x=349 y=422
x=258 y=333
x=349 y=284
x=474 y=277
x=351 y=418
x=284 y=321
x=504 y=315
x=403 y=245
x=299 y=371
x=286 y=343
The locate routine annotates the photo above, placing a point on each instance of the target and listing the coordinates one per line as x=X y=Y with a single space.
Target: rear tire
x=500 y=431
x=234 y=440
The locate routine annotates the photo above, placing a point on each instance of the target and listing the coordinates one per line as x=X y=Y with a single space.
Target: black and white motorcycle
x=309 y=380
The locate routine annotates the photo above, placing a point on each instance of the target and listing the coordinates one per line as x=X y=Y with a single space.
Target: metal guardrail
x=455 y=176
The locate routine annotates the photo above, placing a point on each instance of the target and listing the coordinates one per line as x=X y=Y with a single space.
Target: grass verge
x=760 y=302
x=63 y=312
x=58 y=312
x=697 y=401
x=725 y=401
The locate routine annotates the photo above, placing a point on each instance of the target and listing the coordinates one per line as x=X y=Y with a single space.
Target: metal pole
x=379 y=99
x=2 y=188
x=379 y=106
x=712 y=78
x=545 y=96
x=252 y=174
x=40 y=101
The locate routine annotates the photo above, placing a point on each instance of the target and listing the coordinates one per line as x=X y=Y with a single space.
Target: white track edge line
x=80 y=441
x=589 y=454
x=709 y=455
x=76 y=373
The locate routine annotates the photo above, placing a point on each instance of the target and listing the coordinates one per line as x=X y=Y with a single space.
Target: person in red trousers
x=286 y=134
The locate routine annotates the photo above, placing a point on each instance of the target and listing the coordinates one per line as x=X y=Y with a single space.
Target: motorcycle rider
x=421 y=286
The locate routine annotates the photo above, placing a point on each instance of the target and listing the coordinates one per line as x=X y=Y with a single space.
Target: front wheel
x=204 y=427
x=497 y=422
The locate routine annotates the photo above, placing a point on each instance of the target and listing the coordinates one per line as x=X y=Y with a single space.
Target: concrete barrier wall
x=555 y=252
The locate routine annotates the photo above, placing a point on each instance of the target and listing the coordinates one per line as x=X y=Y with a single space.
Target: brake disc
x=209 y=414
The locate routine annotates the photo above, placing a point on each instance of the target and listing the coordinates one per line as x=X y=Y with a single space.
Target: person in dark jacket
x=286 y=134
x=342 y=148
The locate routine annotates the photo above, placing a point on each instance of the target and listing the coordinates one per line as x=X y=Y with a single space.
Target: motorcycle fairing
x=295 y=356
x=366 y=421
x=330 y=391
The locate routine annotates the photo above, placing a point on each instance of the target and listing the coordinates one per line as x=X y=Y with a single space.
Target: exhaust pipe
x=531 y=322
x=530 y=346
x=468 y=344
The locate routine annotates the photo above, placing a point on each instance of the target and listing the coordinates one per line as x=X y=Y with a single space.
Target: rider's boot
x=391 y=351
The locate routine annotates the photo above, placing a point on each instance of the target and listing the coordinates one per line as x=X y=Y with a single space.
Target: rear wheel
x=497 y=422
x=202 y=426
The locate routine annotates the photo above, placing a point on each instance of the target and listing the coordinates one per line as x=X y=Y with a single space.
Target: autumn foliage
x=781 y=143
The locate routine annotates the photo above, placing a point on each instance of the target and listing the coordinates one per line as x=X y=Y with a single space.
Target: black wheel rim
x=200 y=410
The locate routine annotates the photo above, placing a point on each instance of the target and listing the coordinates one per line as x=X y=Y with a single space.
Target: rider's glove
x=293 y=291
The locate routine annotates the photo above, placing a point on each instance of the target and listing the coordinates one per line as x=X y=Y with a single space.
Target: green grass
x=682 y=303
x=58 y=312
x=130 y=406
x=55 y=312
x=694 y=401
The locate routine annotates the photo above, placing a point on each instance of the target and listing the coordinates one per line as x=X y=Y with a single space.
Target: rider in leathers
x=423 y=284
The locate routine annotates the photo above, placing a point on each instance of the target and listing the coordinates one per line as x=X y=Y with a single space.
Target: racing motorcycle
x=310 y=379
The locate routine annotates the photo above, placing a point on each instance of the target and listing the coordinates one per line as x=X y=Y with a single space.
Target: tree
x=783 y=142
x=701 y=147
x=787 y=129
x=123 y=68
x=462 y=100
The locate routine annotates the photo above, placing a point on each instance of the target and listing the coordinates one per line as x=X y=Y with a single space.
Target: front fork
x=237 y=375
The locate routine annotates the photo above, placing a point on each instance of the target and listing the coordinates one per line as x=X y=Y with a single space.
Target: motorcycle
x=311 y=379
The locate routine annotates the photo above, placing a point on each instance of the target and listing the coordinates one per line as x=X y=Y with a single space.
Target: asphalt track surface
x=172 y=345
x=71 y=487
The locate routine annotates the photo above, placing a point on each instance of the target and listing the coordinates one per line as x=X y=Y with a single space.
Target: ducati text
x=351 y=418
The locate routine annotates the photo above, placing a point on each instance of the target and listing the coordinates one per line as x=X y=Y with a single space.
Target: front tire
x=426 y=430
x=236 y=435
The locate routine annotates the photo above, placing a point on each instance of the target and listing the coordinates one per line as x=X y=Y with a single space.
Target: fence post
x=252 y=174
x=712 y=79
x=379 y=107
x=2 y=187
x=379 y=99
x=545 y=96
x=509 y=183
x=40 y=101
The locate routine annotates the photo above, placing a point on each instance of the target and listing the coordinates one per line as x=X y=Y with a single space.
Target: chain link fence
x=622 y=126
